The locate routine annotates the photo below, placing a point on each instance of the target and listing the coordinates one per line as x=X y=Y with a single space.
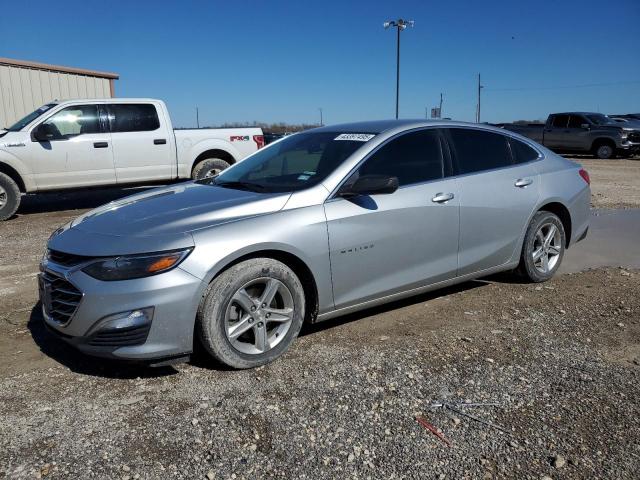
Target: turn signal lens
x=585 y=176
x=163 y=263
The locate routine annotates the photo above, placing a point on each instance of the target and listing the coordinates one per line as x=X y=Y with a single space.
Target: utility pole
x=197 y=117
x=440 y=109
x=399 y=24
x=426 y=112
x=480 y=87
x=321 y=122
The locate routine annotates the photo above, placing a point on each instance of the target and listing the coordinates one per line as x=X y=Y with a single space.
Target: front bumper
x=89 y=320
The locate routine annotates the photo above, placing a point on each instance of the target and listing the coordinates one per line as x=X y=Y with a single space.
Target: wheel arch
x=14 y=175
x=213 y=152
x=603 y=141
x=295 y=263
x=562 y=212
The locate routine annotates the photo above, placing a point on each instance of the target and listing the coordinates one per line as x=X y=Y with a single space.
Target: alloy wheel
x=259 y=316
x=547 y=248
x=3 y=197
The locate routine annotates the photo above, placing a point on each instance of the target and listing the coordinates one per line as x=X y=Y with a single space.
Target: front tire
x=209 y=167
x=9 y=197
x=604 y=151
x=251 y=313
x=543 y=248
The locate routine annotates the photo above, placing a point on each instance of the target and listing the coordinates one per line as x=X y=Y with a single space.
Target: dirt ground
x=562 y=360
x=614 y=183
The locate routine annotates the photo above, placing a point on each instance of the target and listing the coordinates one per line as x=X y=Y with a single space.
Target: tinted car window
x=521 y=151
x=477 y=150
x=133 y=117
x=560 y=121
x=413 y=157
x=72 y=121
x=575 y=121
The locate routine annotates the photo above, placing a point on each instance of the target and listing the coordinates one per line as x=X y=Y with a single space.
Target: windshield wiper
x=252 y=187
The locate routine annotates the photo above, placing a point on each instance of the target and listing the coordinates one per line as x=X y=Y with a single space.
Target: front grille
x=634 y=137
x=66 y=259
x=121 y=337
x=59 y=297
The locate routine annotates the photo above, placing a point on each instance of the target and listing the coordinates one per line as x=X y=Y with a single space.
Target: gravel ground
x=562 y=360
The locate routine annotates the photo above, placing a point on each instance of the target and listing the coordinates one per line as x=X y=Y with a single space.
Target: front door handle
x=523 y=182
x=160 y=141
x=442 y=197
x=100 y=144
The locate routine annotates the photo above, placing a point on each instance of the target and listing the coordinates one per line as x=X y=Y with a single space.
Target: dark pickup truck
x=582 y=132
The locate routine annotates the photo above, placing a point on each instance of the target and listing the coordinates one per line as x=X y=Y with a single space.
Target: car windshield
x=294 y=163
x=600 y=119
x=23 y=122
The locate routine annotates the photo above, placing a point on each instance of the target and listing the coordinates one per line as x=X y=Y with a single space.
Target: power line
x=560 y=87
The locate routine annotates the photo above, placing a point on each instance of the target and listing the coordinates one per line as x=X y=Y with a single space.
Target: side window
x=72 y=121
x=477 y=150
x=522 y=152
x=575 y=121
x=133 y=117
x=413 y=157
x=560 y=121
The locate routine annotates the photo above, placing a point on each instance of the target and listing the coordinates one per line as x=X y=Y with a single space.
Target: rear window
x=477 y=150
x=133 y=117
x=522 y=152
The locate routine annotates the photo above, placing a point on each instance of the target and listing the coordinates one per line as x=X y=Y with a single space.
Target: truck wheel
x=604 y=151
x=209 y=167
x=543 y=248
x=9 y=197
x=251 y=313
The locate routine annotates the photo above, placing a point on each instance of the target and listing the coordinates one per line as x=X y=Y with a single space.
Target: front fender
x=21 y=168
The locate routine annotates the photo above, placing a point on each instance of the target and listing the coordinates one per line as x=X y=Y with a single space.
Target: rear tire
x=604 y=151
x=209 y=167
x=9 y=197
x=543 y=248
x=251 y=313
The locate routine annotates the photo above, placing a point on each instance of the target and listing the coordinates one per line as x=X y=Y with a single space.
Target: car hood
x=160 y=219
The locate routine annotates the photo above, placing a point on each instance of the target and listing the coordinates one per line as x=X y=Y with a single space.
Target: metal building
x=24 y=86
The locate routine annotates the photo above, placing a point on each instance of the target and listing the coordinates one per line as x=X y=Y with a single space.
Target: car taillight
x=259 y=139
x=585 y=176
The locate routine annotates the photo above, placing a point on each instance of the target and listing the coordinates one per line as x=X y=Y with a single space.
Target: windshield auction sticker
x=355 y=137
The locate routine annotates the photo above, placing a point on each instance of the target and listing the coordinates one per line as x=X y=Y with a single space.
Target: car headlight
x=128 y=267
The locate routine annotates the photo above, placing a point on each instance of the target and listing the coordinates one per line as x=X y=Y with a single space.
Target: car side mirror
x=42 y=133
x=585 y=126
x=370 y=185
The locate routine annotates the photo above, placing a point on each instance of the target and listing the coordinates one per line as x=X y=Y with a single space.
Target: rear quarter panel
x=560 y=182
x=190 y=143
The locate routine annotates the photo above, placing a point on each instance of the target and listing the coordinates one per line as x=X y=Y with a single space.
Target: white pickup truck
x=87 y=143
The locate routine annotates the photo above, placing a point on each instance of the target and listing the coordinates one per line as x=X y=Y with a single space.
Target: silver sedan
x=318 y=224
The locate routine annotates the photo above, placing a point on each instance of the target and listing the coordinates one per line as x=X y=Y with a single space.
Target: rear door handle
x=442 y=197
x=523 y=182
x=100 y=144
x=160 y=141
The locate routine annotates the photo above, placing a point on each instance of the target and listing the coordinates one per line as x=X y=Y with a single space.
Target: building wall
x=22 y=90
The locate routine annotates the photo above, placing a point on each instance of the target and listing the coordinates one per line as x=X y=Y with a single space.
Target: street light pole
x=399 y=24
x=321 y=123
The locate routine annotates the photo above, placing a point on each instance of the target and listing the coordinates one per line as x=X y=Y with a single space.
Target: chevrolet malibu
x=318 y=224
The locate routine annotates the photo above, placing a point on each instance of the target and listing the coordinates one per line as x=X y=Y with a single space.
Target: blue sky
x=280 y=61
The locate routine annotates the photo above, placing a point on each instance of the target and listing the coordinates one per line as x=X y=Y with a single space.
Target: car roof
x=380 y=126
